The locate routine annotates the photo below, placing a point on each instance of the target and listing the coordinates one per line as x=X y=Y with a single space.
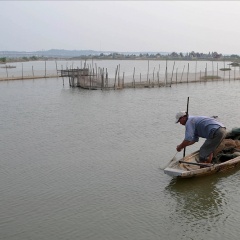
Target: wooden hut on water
x=83 y=78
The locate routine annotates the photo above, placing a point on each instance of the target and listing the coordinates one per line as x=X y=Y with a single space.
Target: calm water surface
x=81 y=164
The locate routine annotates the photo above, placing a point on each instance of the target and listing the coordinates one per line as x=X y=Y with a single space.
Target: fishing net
x=234 y=134
x=229 y=147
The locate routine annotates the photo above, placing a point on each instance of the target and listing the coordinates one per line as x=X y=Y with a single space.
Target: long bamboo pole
x=184 y=151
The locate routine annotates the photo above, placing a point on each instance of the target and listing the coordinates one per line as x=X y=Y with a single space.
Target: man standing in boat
x=201 y=126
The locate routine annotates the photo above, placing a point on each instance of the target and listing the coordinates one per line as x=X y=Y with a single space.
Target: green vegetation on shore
x=210 y=77
x=3 y=60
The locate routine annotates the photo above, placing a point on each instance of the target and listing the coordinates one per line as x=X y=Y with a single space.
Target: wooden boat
x=227 y=156
x=190 y=167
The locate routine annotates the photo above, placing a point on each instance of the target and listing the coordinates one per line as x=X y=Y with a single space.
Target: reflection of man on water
x=200 y=199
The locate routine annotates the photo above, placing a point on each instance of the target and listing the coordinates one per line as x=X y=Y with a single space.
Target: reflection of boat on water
x=8 y=66
x=199 y=198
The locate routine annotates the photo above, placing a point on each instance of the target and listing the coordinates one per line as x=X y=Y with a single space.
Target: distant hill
x=67 y=53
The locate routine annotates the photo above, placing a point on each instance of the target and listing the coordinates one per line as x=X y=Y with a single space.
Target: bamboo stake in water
x=102 y=78
x=56 y=68
x=212 y=70
x=187 y=72
x=115 y=77
x=166 y=73
x=96 y=71
x=148 y=71
x=224 y=71
x=182 y=73
x=172 y=73
x=62 y=74
x=106 y=79
x=45 y=69
x=98 y=74
x=81 y=76
x=78 y=78
x=134 y=77
x=176 y=74
x=206 y=72
x=118 y=75
x=7 y=71
x=196 y=72
x=153 y=74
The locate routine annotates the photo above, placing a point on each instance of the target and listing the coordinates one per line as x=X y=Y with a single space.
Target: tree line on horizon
x=116 y=55
x=173 y=55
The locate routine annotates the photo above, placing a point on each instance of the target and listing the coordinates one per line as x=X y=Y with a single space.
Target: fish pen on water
x=130 y=74
x=98 y=78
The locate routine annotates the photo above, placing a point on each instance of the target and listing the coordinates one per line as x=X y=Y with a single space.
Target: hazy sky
x=159 y=26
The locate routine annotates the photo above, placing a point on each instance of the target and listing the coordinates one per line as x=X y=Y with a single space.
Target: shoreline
x=27 y=78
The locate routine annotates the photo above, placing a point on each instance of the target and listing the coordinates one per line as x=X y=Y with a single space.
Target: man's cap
x=179 y=115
